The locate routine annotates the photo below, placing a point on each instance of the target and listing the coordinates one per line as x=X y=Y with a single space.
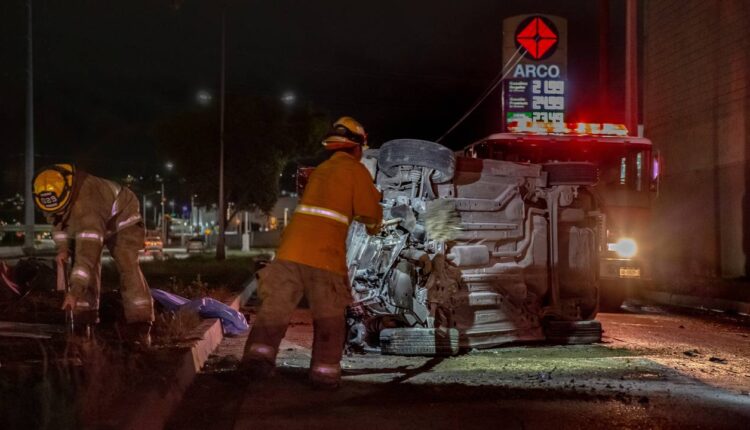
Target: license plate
x=630 y=272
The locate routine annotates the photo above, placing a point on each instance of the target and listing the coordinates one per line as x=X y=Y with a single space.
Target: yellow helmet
x=53 y=186
x=346 y=132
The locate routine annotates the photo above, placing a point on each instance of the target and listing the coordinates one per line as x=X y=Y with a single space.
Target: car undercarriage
x=474 y=253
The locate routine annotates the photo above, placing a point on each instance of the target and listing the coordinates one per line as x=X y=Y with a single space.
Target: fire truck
x=627 y=183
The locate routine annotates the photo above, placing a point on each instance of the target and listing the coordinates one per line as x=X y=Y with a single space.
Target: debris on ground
x=692 y=353
x=718 y=360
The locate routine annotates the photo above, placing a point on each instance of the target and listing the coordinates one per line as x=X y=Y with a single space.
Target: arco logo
x=538 y=35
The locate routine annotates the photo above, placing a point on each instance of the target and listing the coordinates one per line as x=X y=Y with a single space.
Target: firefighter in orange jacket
x=90 y=212
x=311 y=259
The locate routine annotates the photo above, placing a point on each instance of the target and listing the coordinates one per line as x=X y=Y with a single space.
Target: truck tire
x=573 y=332
x=414 y=152
x=419 y=341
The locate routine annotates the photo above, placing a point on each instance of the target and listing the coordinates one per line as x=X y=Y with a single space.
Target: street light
x=203 y=98
x=288 y=98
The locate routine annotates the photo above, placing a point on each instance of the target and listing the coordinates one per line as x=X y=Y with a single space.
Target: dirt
x=713 y=349
x=634 y=379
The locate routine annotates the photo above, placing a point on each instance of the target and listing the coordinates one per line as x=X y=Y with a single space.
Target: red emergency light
x=571 y=128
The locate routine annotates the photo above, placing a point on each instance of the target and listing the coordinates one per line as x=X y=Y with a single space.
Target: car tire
x=573 y=332
x=419 y=341
x=415 y=152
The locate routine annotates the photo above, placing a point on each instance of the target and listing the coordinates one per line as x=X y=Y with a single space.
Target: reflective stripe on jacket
x=339 y=190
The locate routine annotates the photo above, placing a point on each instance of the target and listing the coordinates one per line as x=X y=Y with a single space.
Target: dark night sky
x=105 y=71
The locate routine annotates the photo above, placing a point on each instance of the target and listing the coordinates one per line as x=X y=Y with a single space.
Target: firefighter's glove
x=61 y=260
x=76 y=293
x=374 y=229
x=69 y=303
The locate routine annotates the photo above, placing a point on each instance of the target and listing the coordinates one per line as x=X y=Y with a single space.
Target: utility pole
x=631 y=66
x=220 y=248
x=192 y=213
x=28 y=242
x=163 y=215
x=604 y=58
x=143 y=209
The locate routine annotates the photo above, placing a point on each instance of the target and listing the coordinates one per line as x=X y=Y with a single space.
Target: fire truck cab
x=626 y=185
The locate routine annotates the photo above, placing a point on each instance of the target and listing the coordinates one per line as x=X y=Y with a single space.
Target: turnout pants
x=136 y=296
x=281 y=286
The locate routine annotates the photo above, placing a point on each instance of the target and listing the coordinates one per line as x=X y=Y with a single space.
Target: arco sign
x=535 y=88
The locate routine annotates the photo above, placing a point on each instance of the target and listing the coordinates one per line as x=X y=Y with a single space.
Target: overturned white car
x=474 y=253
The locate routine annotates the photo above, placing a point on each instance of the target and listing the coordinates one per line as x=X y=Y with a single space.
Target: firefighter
x=88 y=213
x=311 y=259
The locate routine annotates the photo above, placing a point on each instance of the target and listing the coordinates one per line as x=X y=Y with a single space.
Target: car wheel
x=573 y=332
x=414 y=152
x=419 y=341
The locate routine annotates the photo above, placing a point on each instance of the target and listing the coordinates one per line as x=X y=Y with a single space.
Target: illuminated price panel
x=534 y=99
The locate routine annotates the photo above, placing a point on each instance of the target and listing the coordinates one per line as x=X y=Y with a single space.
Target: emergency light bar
x=574 y=128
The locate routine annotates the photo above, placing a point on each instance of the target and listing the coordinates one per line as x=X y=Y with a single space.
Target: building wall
x=696 y=110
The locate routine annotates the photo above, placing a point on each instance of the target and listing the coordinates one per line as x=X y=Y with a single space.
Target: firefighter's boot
x=136 y=336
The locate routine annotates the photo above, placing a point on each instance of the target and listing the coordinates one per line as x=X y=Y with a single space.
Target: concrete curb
x=11 y=252
x=154 y=407
x=696 y=302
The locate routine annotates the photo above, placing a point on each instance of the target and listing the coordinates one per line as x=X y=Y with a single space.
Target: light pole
x=164 y=231
x=192 y=212
x=220 y=251
x=147 y=204
x=28 y=241
x=631 y=66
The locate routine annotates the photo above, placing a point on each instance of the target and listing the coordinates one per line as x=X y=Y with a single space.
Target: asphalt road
x=654 y=369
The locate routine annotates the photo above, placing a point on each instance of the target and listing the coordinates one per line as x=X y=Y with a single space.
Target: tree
x=261 y=136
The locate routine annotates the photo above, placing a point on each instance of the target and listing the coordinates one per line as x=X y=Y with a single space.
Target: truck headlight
x=625 y=247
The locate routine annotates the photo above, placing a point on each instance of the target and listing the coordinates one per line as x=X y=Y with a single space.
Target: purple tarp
x=233 y=322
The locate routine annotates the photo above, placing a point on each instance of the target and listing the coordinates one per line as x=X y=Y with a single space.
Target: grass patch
x=174 y=327
x=565 y=361
x=192 y=277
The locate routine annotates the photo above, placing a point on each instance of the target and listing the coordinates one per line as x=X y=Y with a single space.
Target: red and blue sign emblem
x=538 y=36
